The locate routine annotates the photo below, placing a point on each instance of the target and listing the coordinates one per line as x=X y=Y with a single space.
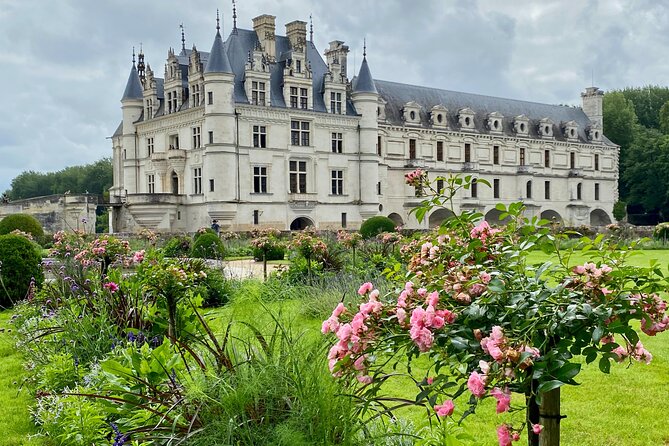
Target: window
x=259 y=136
x=299 y=133
x=468 y=152
x=596 y=161
x=149 y=108
x=440 y=185
x=343 y=219
x=210 y=97
x=151 y=181
x=257 y=93
x=495 y=154
x=337 y=182
x=172 y=101
x=521 y=162
x=547 y=158
x=337 y=142
x=596 y=191
x=298 y=66
x=304 y=98
x=579 y=191
x=298 y=177
x=547 y=190
x=259 y=179
x=293 y=97
x=412 y=149
x=572 y=160
x=174 y=142
x=378 y=146
x=211 y=184
x=335 y=103
x=440 y=150
x=197 y=142
x=528 y=189
x=149 y=146
x=495 y=188
x=378 y=188
x=197 y=180
x=169 y=102
x=256 y=216
x=195 y=96
x=211 y=137
x=475 y=188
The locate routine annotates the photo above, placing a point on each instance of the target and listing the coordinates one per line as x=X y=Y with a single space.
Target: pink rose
x=537 y=428
x=444 y=410
x=476 y=385
x=364 y=379
x=433 y=299
x=339 y=309
x=503 y=399
x=503 y=435
x=365 y=288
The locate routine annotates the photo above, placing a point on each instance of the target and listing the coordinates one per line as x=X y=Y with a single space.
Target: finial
x=364 y=47
x=141 y=51
x=183 y=38
x=234 y=17
x=218 y=21
x=311 y=29
x=133 y=56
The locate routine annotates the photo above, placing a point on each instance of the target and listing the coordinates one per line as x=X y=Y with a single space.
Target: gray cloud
x=65 y=63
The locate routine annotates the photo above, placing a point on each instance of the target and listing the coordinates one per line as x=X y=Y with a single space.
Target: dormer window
x=495 y=122
x=595 y=133
x=438 y=115
x=521 y=125
x=466 y=119
x=571 y=130
x=412 y=113
x=381 y=110
x=546 y=128
x=257 y=93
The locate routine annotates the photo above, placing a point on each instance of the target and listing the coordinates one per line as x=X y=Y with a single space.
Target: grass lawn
x=15 y=423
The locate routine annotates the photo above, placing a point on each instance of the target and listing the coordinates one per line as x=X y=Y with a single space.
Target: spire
x=183 y=38
x=311 y=29
x=218 y=22
x=364 y=47
x=364 y=83
x=140 y=64
x=218 y=59
x=133 y=88
x=234 y=17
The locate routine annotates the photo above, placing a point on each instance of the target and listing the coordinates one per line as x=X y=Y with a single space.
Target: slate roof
x=397 y=95
x=218 y=59
x=133 y=88
x=364 y=82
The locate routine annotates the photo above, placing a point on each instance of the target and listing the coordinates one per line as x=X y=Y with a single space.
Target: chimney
x=592 y=105
x=337 y=53
x=265 y=28
x=296 y=31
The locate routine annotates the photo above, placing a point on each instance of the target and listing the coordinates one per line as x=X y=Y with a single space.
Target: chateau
x=264 y=132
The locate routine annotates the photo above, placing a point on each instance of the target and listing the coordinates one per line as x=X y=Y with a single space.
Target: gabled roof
x=218 y=59
x=364 y=82
x=397 y=95
x=133 y=88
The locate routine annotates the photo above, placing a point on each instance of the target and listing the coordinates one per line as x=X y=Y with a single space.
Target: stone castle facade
x=264 y=132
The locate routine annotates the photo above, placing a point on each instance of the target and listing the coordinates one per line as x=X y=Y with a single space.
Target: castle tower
x=592 y=100
x=366 y=98
x=132 y=105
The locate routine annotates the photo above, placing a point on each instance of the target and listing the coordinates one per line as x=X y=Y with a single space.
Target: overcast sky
x=65 y=62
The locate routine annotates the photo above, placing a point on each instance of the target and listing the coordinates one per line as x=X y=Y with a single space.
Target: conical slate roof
x=364 y=82
x=133 y=88
x=218 y=59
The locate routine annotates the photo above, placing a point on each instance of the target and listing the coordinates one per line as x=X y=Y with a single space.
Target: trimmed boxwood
x=23 y=222
x=277 y=252
x=207 y=246
x=375 y=226
x=20 y=262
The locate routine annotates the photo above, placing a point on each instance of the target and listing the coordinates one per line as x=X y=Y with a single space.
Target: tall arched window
x=579 y=191
x=528 y=189
x=175 y=183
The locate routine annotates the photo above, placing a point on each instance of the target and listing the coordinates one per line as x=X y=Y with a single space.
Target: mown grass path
x=16 y=426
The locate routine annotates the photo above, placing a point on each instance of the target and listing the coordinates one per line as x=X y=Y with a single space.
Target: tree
x=619 y=122
x=664 y=118
x=647 y=102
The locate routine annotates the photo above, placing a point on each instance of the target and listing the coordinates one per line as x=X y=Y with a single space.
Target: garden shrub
x=275 y=252
x=22 y=222
x=19 y=263
x=178 y=246
x=202 y=231
x=375 y=226
x=216 y=290
x=207 y=246
x=661 y=231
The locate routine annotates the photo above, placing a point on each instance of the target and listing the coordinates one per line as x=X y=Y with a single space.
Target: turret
x=365 y=99
x=132 y=104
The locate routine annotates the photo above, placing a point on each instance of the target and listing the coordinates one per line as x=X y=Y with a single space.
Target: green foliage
x=61 y=371
x=22 y=222
x=661 y=231
x=202 y=231
x=19 y=263
x=619 y=210
x=177 y=246
x=375 y=226
x=102 y=222
x=208 y=246
x=647 y=102
x=274 y=252
x=71 y=420
x=93 y=178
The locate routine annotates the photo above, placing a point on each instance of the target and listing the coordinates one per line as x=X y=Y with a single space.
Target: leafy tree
x=647 y=102
x=664 y=118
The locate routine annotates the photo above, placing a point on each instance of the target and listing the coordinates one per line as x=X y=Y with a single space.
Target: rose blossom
x=444 y=410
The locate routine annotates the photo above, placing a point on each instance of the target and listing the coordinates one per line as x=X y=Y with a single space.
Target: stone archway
x=396 y=218
x=301 y=223
x=552 y=216
x=599 y=217
x=493 y=217
x=439 y=216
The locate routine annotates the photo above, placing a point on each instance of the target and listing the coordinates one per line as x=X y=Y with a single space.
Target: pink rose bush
x=490 y=322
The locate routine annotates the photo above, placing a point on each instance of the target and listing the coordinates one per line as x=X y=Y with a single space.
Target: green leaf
x=597 y=333
x=605 y=365
x=549 y=385
x=568 y=371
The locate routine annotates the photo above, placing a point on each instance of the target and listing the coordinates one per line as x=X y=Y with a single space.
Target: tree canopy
x=93 y=178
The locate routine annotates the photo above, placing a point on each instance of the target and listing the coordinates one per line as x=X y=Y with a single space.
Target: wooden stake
x=549 y=413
